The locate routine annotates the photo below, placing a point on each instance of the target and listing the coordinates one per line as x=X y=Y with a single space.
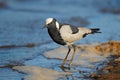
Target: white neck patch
x=57 y=25
x=49 y=20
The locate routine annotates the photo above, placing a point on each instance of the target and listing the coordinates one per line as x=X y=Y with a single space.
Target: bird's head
x=50 y=22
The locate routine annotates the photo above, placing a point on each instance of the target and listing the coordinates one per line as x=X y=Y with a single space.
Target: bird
x=67 y=35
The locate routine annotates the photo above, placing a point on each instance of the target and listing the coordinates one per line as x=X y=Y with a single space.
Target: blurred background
x=21 y=20
x=21 y=36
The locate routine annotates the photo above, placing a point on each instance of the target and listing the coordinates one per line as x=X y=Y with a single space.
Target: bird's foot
x=64 y=68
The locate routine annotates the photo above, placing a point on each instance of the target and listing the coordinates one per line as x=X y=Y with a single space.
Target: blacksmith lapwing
x=66 y=34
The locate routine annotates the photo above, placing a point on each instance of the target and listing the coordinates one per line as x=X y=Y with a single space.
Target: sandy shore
x=113 y=67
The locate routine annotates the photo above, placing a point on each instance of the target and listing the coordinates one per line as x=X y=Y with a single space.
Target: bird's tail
x=95 y=30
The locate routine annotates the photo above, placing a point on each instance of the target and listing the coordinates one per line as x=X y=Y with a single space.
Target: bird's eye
x=48 y=24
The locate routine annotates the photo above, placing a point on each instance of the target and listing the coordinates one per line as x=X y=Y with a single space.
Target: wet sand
x=112 y=70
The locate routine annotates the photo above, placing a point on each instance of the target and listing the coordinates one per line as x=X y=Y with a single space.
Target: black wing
x=73 y=28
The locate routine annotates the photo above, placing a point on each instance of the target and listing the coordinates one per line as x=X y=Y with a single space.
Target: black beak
x=43 y=27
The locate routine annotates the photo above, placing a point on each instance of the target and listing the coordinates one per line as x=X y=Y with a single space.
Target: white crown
x=49 y=20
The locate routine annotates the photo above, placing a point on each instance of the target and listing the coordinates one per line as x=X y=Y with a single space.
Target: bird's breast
x=56 y=36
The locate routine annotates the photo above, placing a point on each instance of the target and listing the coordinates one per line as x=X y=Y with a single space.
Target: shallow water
x=21 y=20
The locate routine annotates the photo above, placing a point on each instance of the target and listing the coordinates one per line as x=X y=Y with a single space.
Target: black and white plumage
x=65 y=34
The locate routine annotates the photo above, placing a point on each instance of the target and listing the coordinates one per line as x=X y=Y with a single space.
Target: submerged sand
x=38 y=73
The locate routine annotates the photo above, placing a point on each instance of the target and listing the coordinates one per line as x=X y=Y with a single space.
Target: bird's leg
x=64 y=61
x=74 y=47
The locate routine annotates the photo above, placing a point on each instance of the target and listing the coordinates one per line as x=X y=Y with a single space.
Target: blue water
x=21 y=20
